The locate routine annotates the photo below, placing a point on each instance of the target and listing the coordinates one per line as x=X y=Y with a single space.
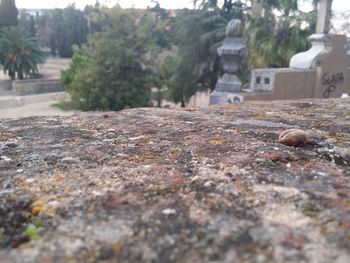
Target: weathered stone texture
x=195 y=185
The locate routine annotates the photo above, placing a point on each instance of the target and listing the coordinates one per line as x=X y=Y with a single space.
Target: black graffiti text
x=331 y=82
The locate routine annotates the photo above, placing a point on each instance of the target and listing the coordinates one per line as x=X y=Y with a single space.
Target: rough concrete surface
x=193 y=185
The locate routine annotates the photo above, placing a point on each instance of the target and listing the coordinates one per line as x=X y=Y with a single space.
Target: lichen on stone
x=172 y=185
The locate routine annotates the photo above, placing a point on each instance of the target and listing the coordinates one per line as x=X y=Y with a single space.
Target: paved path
x=35 y=109
x=51 y=69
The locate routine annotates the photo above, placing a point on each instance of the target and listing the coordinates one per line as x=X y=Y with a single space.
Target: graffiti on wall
x=330 y=82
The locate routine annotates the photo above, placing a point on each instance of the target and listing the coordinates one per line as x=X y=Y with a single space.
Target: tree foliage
x=69 y=27
x=27 y=23
x=57 y=30
x=19 y=53
x=273 y=39
x=114 y=71
x=8 y=13
x=196 y=65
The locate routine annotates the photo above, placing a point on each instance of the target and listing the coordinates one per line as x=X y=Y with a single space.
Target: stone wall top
x=36 y=86
x=193 y=185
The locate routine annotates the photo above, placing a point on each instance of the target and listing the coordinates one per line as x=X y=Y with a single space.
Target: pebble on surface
x=293 y=137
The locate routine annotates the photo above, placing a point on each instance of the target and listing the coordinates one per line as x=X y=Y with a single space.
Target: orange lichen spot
x=39 y=203
x=57 y=180
x=41 y=207
x=144 y=158
x=117 y=247
x=175 y=153
x=36 y=211
x=216 y=142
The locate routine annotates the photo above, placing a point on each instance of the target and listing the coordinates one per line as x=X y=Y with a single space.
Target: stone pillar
x=324 y=13
x=313 y=57
x=348 y=50
x=232 y=52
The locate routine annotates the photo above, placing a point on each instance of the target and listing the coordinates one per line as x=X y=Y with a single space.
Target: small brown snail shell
x=293 y=137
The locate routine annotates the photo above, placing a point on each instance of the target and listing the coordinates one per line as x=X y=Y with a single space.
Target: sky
x=338 y=5
x=171 y=4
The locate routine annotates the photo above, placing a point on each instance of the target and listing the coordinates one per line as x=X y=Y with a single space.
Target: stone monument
x=319 y=41
x=327 y=56
x=321 y=72
x=232 y=52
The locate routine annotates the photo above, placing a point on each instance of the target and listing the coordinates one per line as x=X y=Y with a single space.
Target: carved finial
x=234 y=28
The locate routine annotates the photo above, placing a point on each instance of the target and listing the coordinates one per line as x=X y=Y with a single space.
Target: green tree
x=75 y=27
x=69 y=27
x=275 y=30
x=196 y=65
x=158 y=28
x=176 y=75
x=58 y=29
x=27 y=23
x=8 y=13
x=95 y=16
x=79 y=62
x=19 y=53
x=113 y=72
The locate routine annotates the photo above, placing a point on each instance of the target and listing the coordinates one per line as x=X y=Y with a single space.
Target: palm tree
x=19 y=53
